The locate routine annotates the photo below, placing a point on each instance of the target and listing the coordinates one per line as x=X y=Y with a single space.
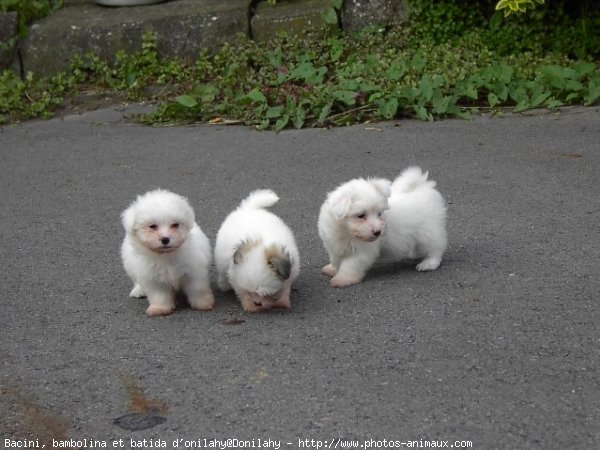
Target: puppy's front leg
x=284 y=300
x=161 y=300
x=353 y=268
x=201 y=300
x=329 y=270
x=199 y=295
x=137 y=291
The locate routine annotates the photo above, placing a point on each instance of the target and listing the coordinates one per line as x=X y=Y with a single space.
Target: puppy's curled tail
x=411 y=179
x=260 y=199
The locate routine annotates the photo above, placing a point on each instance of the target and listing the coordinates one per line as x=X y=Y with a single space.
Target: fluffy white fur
x=165 y=252
x=256 y=254
x=366 y=220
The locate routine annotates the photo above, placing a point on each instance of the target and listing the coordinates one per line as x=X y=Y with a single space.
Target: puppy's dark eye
x=362 y=216
x=153 y=227
x=380 y=214
x=174 y=225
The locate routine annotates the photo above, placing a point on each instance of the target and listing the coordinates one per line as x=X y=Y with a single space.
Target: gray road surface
x=500 y=346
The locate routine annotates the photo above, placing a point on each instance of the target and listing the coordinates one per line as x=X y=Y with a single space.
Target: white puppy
x=365 y=220
x=256 y=254
x=165 y=252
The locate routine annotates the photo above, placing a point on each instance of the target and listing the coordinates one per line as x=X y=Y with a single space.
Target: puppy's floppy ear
x=340 y=202
x=382 y=185
x=279 y=261
x=128 y=219
x=242 y=249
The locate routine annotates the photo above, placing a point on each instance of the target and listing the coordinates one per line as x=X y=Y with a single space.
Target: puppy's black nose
x=377 y=232
x=165 y=240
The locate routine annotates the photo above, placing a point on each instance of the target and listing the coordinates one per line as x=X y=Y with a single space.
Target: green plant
x=336 y=82
x=529 y=61
x=31 y=97
x=513 y=6
x=29 y=10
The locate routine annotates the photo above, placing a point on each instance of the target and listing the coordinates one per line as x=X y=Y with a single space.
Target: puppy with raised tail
x=366 y=220
x=256 y=254
x=165 y=252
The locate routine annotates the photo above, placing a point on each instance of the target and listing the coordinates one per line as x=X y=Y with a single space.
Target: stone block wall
x=183 y=27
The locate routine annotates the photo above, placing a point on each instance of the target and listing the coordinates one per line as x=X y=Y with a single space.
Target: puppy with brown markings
x=256 y=254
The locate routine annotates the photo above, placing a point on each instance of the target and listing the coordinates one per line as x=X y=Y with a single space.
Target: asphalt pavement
x=497 y=349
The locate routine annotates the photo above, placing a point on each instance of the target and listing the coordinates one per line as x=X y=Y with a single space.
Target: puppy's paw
x=429 y=264
x=283 y=302
x=154 y=311
x=137 y=292
x=204 y=302
x=329 y=270
x=340 y=281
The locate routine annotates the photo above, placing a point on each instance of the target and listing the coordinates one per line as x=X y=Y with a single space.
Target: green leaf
x=422 y=113
x=522 y=106
x=256 y=96
x=396 y=71
x=426 y=87
x=187 y=101
x=275 y=57
x=324 y=113
x=347 y=97
x=281 y=123
x=206 y=92
x=593 y=94
x=299 y=117
x=584 y=68
x=330 y=16
x=540 y=98
x=307 y=72
x=337 y=4
x=573 y=85
x=441 y=104
x=418 y=61
x=264 y=124
x=493 y=99
x=389 y=107
x=274 y=112
x=553 y=103
x=469 y=91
